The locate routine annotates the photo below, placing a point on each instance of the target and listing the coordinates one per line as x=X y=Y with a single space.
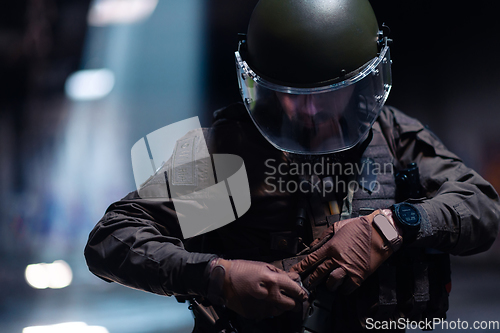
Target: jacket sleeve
x=460 y=211
x=138 y=243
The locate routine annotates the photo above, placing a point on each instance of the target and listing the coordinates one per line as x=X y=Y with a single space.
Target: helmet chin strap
x=350 y=155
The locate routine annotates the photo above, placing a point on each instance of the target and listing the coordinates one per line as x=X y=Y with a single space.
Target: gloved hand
x=355 y=251
x=255 y=289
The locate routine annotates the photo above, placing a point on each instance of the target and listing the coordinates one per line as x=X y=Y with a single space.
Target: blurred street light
x=72 y=327
x=89 y=84
x=56 y=275
x=106 y=12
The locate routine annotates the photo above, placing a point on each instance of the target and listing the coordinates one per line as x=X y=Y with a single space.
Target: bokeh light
x=56 y=275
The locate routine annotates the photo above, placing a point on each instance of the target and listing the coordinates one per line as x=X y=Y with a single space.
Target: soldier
x=367 y=241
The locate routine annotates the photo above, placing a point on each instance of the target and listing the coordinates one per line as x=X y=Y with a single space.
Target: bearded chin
x=306 y=129
x=351 y=155
x=316 y=133
x=340 y=157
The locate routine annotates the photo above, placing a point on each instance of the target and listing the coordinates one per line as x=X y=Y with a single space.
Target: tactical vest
x=414 y=283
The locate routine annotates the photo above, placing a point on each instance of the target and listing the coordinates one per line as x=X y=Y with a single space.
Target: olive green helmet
x=314 y=74
x=321 y=40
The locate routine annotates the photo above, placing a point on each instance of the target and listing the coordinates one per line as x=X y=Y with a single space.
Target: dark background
x=445 y=73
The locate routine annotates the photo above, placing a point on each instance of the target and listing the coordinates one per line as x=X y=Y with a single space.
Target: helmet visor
x=317 y=120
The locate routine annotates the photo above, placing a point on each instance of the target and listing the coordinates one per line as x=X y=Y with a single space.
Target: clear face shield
x=317 y=120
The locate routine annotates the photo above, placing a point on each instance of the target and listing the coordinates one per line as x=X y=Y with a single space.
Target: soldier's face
x=316 y=116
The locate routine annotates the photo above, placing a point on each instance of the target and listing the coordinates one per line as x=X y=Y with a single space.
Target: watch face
x=408 y=215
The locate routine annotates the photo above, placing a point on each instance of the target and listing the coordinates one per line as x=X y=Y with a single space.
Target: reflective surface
x=318 y=120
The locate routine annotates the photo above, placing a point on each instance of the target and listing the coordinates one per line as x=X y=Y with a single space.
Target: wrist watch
x=388 y=231
x=408 y=219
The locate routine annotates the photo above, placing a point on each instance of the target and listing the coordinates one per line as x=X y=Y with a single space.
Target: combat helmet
x=313 y=75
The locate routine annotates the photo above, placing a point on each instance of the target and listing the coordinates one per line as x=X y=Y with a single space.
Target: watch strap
x=388 y=231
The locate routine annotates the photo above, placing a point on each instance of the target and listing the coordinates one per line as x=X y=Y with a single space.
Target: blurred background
x=81 y=81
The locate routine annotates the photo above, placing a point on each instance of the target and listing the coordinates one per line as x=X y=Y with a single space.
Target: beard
x=351 y=155
x=315 y=133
